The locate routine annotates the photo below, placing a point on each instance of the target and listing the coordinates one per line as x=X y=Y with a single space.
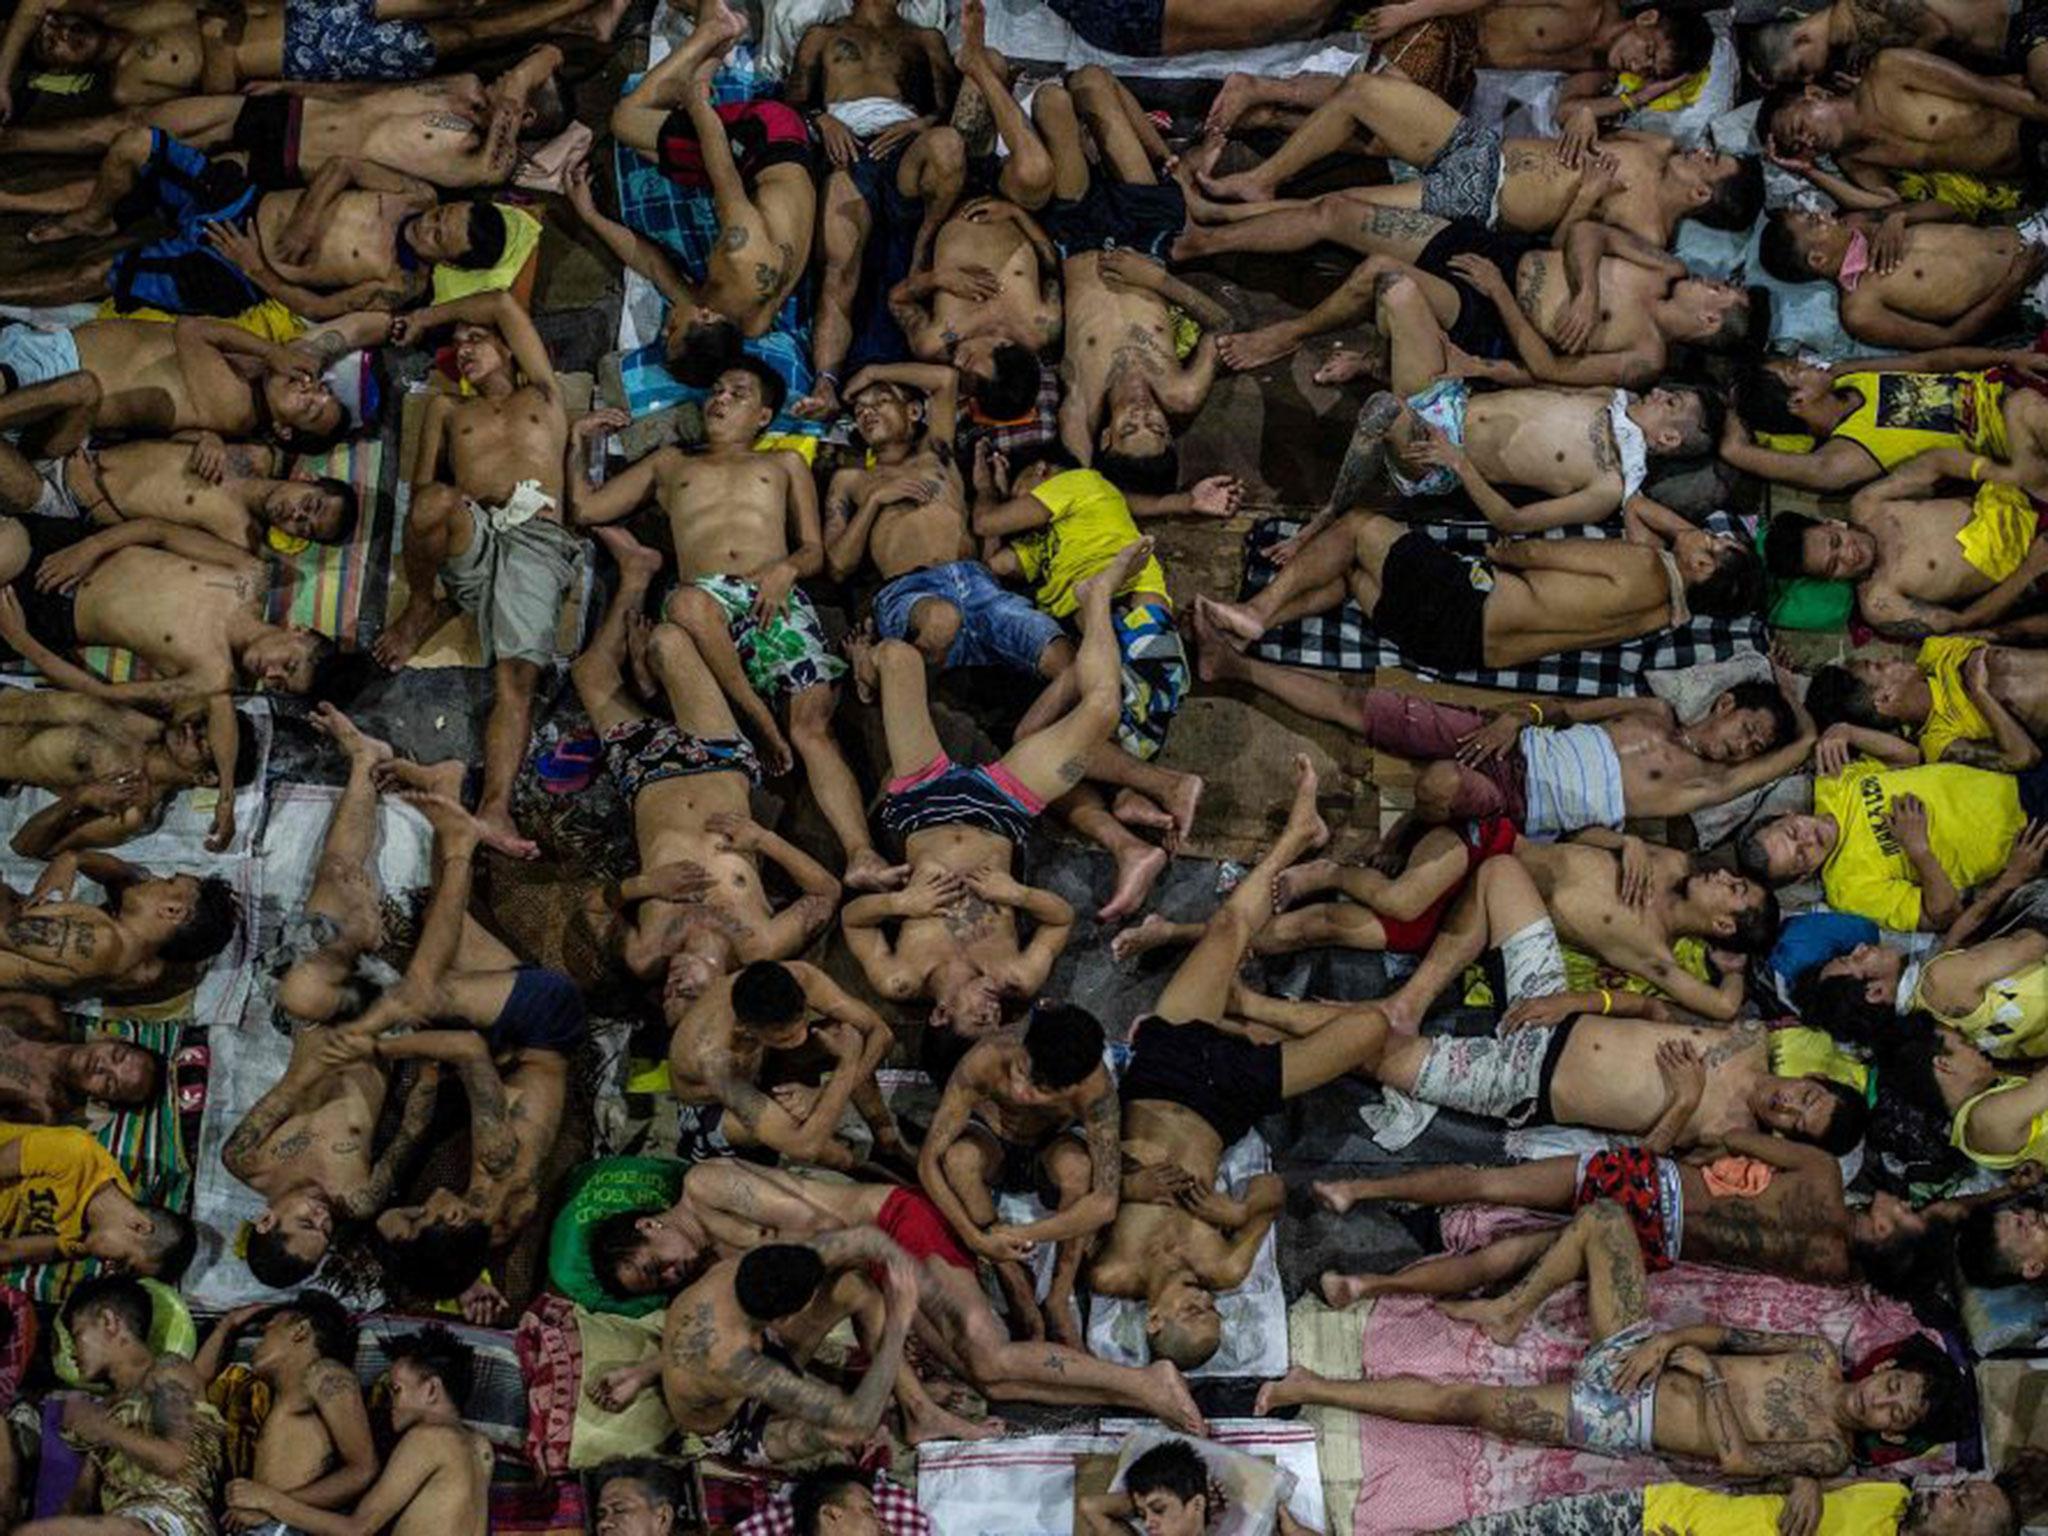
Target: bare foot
x=1290 y=885
x=776 y=756
x=73 y=226
x=351 y=738
x=1242 y=351
x=726 y=26
x=455 y=830
x=1063 y=1320
x=1230 y=103
x=1155 y=932
x=1302 y=816
x=399 y=773
x=1342 y=366
x=935 y=1423
x=422 y=616
x=1348 y=1290
x=1250 y=186
x=1404 y=1011
x=1107 y=582
x=1137 y=871
x=1183 y=802
x=638 y=667
x=1026 y=1321
x=1141 y=811
x=860 y=655
x=1173 y=1403
x=501 y=833
x=638 y=565
x=1215 y=648
x=1236 y=620
x=1286 y=1392
x=867 y=870
x=1338 y=1195
x=1496 y=1317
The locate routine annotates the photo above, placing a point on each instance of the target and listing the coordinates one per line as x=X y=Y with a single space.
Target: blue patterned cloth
x=344 y=40
x=685 y=224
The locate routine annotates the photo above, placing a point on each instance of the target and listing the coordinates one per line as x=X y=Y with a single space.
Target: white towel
x=1030 y=30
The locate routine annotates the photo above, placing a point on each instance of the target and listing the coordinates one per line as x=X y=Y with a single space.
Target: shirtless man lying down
x=697 y=910
x=1528 y=598
x=149 y=931
x=242 y=495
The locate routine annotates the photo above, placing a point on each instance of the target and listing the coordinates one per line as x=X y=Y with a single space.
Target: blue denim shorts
x=998 y=627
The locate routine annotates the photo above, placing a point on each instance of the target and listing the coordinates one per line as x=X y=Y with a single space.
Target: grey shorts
x=1463 y=181
x=1604 y=1419
x=1617 y=1512
x=514 y=581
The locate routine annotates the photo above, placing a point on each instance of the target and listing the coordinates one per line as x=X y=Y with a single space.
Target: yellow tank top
x=2011 y=1019
x=2036 y=1149
x=1904 y=414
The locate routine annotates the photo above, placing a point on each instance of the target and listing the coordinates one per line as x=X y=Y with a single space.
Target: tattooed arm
x=415 y=1120
x=1101 y=1123
x=808 y=1140
x=172 y=1391
x=805 y=1399
x=964 y=1089
x=493 y=1148
x=285 y=1099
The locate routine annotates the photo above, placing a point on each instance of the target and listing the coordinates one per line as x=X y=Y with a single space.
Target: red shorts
x=921 y=1230
x=1633 y=1178
x=1483 y=840
x=761 y=133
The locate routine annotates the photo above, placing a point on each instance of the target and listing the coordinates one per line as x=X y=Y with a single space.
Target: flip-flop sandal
x=569 y=765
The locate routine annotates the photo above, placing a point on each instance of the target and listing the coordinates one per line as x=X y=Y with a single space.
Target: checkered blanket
x=895 y=1507
x=685 y=226
x=1343 y=641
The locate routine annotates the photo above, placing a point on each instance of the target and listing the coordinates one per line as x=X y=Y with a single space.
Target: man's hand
x=1492 y=740
x=1537 y=1012
x=1888 y=249
x=1578 y=132
x=246 y=1493
x=339 y=1049
x=685 y=880
x=1002 y=1245
x=1483 y=273
x=602 y=422
x=1638 y=866
x=209 y=460
x=1205 y=1203
x=1977 y=673
x=615 y=1390
x=1801 y=1513
x=89 y=1420
x=2024 y=1177
x=220 y=832
x=2028 y=856
x=895 y=136
x=239 y=245
x=1384 y=22
x=1158 y=1184
x=1907 y=821
x=1692 y=1360
x=1834 y=751
x=1215 y=496
x=733 y=830
x=991 y=472
x=576 y=187
x=65 y=569
x=841 y=147
x=1436 y=449
x=112 y=795
x=1645 y=1363
x=932 y=889
x=821 y=404
x=977 y=285
x=899 y=1285
x=1128 y=271
x=483 y=1304
x=772 y=590
x=994 y=886
x=1683 y=1070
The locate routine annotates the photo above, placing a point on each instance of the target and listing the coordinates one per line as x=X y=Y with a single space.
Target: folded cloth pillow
x=594 y=1191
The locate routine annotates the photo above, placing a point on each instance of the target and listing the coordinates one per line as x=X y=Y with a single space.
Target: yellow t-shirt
x=1803 y=1052
x=1973 y=815
x=62 y=1168
x=1091 y=521
x=1861 y=1509
x=1952 y=717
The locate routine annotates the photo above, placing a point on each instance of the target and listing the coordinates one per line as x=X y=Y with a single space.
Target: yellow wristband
x=1976 y=470
x=1606 y=1001
x=1535 y=710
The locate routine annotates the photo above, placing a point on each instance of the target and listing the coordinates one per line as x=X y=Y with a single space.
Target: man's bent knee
x=934 y=626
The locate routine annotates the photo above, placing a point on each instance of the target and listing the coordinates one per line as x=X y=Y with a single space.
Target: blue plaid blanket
x=685 y=225
x=1342 y=640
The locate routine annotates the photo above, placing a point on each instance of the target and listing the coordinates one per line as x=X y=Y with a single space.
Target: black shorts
x=1117 y=215
x=1231 y=1082
x=893 y=223
x=1560 y=1037
x=2026 y=31
x=51 y=616
x=267 y=132
x=1133 y=28
x=1020 y=1168
x=1429 y=606
x=543 y=1013
x=1478 y=328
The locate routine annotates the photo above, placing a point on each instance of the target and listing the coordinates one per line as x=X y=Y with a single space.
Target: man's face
x=1699 y=554
x=92 y=1336
x=185 y=740
x=114 y=1072
x=1702 y=170
x=1976 y=1507
x=1668 y=417
x=1725 y=897
x=281 y=660
x=1961 y=1069
x=1188 y=1307
x=1887 y=1219
x=414 y=1394
x=2021 y=1232
x=68 y=41
x=480 y=353
x=441 y=233
x=303 y=402
x=970 y=1007
x=1894 y=684
x=305 y=511
x=1731 y=735
x=1703 y=305
x=680 y=318
x=170 y=900
x=1805 y=53
x=625 y=1508
x=1796 y=846
x=306 y=1222
x=1163 y=1514
x=1837 y=552
x=1814 y=233
x=736 y=400
x=1797 y=1107
x=276 y=1343
x=884 y=415
x=663 y=1260
x=1643 y=49
x=1876 y=966
x=690 y=973
x=1804 y=127
x=1805 y=383
x=1889 y=1401
x=852 y=1513
x=1137 y=429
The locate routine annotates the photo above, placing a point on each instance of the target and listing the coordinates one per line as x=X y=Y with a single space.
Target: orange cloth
x=1726 y=1176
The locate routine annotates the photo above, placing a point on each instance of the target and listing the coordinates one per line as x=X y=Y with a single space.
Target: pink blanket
x=1422 y=1478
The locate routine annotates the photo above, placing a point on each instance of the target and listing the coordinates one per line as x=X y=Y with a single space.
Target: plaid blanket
x=895 y=1509
x=685 y=226
x=1343 y=640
